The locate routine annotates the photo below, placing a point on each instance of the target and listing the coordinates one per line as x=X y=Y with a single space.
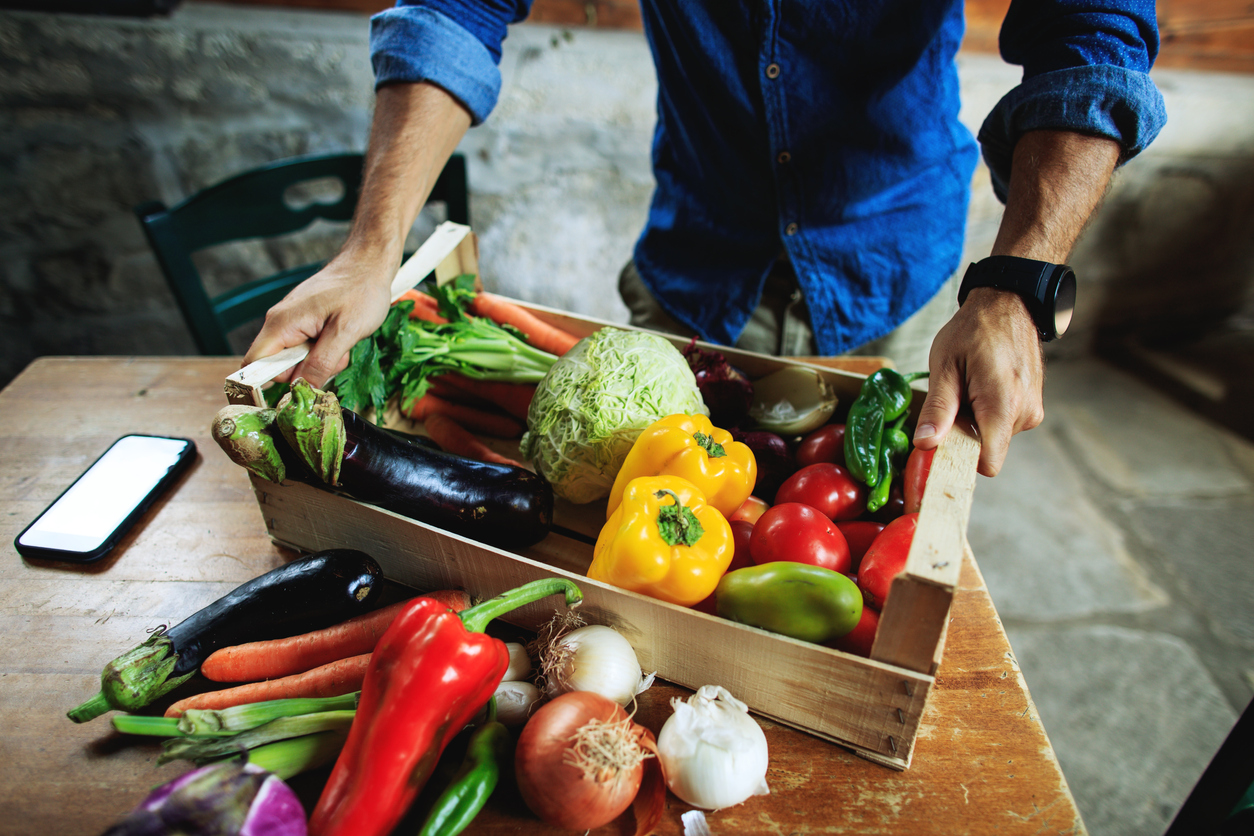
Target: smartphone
x=88 y=519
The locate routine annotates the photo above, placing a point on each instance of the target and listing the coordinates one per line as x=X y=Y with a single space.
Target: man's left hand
x=989 y=356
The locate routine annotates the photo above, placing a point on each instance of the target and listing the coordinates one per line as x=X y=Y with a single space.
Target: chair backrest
x=254 y=205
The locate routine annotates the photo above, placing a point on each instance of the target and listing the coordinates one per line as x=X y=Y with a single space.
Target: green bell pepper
x=805 y=602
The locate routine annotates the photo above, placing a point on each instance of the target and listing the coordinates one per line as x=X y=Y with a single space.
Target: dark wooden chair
x=254 y=205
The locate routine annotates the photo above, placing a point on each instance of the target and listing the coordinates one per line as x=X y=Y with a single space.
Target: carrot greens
x=403 y=355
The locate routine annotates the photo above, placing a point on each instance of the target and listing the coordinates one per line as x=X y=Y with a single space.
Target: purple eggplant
x=775 y=459
x=221 y=798
x=726 y=390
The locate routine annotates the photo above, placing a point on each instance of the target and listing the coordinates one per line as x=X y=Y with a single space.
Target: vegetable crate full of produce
x=870 y=704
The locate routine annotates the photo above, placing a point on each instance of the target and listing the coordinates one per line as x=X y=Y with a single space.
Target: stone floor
x=1116 y=546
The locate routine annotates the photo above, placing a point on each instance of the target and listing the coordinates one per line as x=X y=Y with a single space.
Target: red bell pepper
x=429 y=675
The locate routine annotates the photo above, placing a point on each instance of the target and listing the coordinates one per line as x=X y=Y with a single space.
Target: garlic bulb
x=593 y=658
x=519 y=663
x=514 y=702
x=712 y=752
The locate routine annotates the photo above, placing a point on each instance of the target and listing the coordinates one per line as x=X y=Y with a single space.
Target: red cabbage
x=726 y=390
x=221 y=798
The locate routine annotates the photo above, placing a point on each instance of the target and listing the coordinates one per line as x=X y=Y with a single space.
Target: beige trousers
x=781 y=323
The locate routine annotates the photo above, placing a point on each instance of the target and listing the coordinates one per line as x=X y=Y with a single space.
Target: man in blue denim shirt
x=819 y=141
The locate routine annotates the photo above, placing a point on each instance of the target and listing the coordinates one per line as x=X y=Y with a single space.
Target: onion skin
x=557 y=792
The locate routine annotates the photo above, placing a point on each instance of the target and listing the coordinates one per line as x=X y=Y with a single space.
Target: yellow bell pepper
x=664 y=541
x=690 y=447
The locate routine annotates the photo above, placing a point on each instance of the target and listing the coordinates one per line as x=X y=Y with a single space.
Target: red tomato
x=797 y=532
x=740 y=558
x=825 y=486
x=918 y=466
x=885 y=559
x=859 y=534
x=750 y=510
x=826 y=444
x=859 y=640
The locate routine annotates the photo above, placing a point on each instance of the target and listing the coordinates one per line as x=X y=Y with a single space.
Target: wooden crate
x=872 y=706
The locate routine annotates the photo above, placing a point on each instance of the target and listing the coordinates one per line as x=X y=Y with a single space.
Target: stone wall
x=98 y=114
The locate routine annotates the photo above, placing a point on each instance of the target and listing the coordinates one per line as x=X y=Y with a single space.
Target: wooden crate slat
x=869 y=707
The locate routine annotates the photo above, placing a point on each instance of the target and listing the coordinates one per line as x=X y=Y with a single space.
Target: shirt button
x=791 y=229
x=783 y=157
x=772 y=70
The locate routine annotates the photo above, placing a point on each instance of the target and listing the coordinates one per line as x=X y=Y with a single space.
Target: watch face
x=1064 y=302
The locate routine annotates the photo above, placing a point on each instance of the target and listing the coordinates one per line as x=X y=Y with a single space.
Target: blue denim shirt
x=828 y=132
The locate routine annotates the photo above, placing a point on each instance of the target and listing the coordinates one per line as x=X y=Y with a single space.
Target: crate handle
x=916 y=615
x=451 y=250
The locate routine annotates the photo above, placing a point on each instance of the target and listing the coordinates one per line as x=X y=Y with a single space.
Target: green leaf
x=361 y=383
x=454 y=298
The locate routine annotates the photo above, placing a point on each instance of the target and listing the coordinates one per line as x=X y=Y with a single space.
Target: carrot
x=455 y=439
x=343 y=676
x=540 y=334
x=470 y=417
x=442 y=387
x=425 y=306
x=514 y=398
x=274 y=658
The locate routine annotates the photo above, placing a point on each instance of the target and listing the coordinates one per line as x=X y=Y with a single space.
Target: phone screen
x=97 y=507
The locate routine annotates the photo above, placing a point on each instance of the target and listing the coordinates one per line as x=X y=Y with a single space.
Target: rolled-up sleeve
x=1085 y=69
x=455 y=45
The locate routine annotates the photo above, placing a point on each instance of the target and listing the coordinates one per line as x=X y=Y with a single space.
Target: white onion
x=514 y=702
x=593 y=658
x=793 y=400
x=713 y=753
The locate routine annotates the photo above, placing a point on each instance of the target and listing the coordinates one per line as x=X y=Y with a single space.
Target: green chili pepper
x=863 y=429
x=805 y=602
x=879 y=494
x=896 y=440
x=469 y=790
x=885 y=396
x=894 y=447
x=893 y=390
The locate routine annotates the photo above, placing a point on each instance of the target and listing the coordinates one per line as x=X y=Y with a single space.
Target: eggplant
x=498 y=504
x=501 y=505
x=309 y=593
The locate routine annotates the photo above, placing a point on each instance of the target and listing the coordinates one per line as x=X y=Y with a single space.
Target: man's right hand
x=415 y=129
x=343 y=303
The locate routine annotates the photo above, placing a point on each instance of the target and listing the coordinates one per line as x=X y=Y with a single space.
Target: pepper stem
x=477 y=617
x=711 y=447
x=915 y=376
x=676 y=524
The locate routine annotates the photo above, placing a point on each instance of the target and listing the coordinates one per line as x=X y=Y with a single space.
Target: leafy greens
x=403 y=355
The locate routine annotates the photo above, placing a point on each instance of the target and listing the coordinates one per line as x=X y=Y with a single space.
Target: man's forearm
x=1057 y=180
x=416 y=127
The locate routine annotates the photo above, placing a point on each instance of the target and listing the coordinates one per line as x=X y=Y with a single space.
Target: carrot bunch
x=455 y=408
x=323 y=663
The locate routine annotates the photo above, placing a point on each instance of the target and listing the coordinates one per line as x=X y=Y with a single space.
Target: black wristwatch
x=1047 y=289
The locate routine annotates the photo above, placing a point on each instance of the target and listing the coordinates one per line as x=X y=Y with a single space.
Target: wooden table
x=982 y=764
